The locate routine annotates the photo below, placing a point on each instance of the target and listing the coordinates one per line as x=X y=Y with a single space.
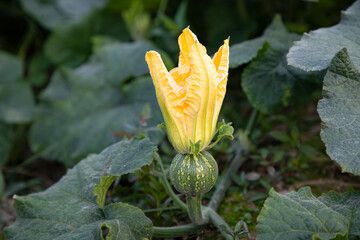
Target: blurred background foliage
x=73 y=80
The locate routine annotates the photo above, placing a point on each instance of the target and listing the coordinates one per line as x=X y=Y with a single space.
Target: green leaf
x=316 y=49
x=275 y=34
x=280 y=136
x=85 y=110
x=68 y=209
x=195 y=147
x=16 y=98
x=270 y=83
x=222 y=130
x=339 y=110
x=70 y=44
x=300 y=215
x=51 y=13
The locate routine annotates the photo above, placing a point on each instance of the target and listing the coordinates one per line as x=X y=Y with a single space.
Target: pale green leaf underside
x=68 y=209
x=340 y=112
x=70 y=44
x=51 y=13
x=85 y=110
x=302 y=216
x=316 y=49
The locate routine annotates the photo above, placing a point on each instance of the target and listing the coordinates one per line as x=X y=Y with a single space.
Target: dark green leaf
x=269 y=82
x=300 y=215
x=5 y=142
x=68 y=209
x=86 y=110
x=339 y=110
x=280 y=136
x=316 y=49
x=16 y=99
x=70 y=44
x=51 y=13
x=275 y=34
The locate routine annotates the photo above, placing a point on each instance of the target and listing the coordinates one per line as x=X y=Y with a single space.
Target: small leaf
x=69 y=209
x=280 y=136
x=238 y=226
x=339 y=111
x=300 y=215
x=314 y=51
x=161 y=126
x=222 y=130
x=195 y=148
x=257 y=197
x=101 y=189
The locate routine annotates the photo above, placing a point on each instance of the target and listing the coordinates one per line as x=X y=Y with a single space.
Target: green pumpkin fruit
x=193 y=174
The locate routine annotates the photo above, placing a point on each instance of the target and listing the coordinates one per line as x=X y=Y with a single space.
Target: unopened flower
x=190 y=96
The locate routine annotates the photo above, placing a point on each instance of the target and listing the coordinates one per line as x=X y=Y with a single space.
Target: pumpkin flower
x=190 y=96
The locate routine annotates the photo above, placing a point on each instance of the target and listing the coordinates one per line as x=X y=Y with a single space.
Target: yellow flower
x=190 y=96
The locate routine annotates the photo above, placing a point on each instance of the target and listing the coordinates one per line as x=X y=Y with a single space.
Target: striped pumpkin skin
x=193 y=174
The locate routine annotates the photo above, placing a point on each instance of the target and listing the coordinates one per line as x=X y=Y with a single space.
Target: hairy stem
x=167 y=186
x=178 y=231
x=220 y=224
x=195 y=210
x=237 y=161
x=251 y=121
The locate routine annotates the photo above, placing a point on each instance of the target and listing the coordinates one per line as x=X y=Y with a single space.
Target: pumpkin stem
x=195 y=210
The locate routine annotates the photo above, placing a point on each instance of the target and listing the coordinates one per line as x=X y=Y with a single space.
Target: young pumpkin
x=194 y=174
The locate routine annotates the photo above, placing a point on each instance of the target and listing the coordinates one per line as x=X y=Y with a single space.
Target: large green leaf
x=87 y=109
x=340 y=110
x=268 y=81
x=70 y=44
x=68 y=209
x=275 y=34
x=51 y=13
x=316 y=49
x=16 y=99
x=300 y=215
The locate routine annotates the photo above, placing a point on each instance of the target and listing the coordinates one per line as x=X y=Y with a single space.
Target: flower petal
x=221 y=61
x=201 y=97
x=185 y=40
x=180 y=75
x=168 y=94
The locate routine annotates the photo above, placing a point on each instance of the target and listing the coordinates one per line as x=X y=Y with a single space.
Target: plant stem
x=162 y=210
x=167 y=186
x=195 y=211
x=225 y=181
x=220 y=224
x=178 y=231
x=237 y=161
x=251 y=121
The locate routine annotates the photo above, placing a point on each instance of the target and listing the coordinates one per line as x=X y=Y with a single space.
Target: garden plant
x=117 y=123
